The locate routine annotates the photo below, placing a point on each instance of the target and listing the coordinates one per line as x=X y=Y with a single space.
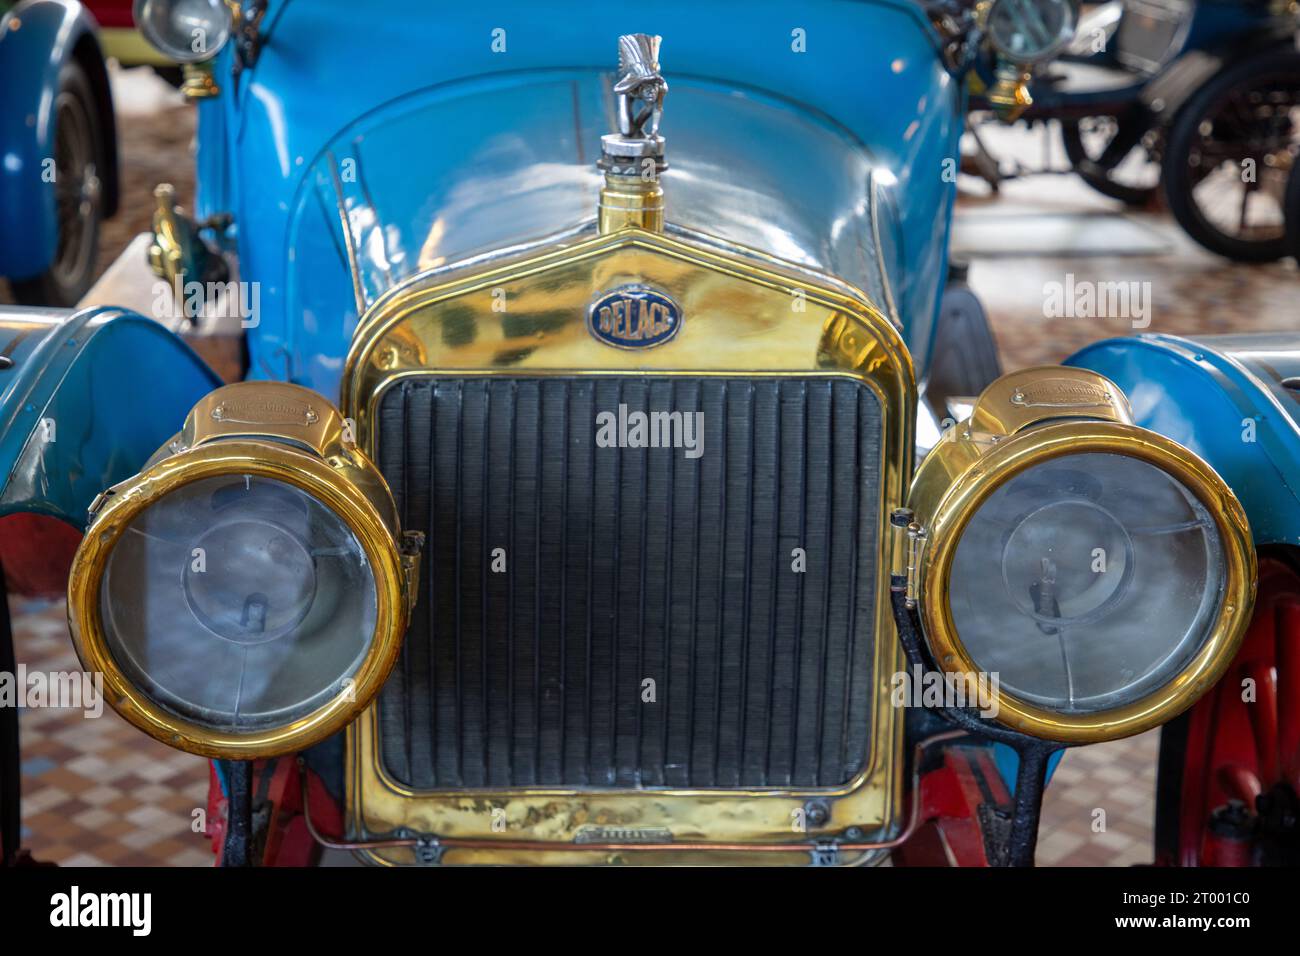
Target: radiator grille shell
x=628 y=564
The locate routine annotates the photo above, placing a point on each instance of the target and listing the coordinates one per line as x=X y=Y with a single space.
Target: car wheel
x=78 y=148
x=1229 y=771
x=1098 y=155
x=965 y=356
x=1228 y=155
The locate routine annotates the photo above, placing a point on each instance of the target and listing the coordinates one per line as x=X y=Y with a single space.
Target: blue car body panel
x=1223 y=397
x=490 y=123
x=36 y=40
x=89 y=396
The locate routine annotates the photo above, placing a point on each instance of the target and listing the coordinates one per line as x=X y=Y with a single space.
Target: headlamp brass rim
x=958 y=505
x=267 y=459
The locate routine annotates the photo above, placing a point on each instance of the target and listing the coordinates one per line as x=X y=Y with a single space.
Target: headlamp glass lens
x=188 y=31
x=1030 y=30
x=1087 y=582
x=238 y=602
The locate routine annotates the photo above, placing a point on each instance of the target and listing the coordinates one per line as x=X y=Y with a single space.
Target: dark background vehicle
x=59 y=180
x=1198 y=95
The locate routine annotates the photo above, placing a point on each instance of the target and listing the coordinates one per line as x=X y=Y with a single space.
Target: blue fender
x=85 y=399
x=36 y=39
x=1223 y=397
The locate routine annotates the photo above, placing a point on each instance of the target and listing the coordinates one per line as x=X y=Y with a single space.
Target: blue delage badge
x=634 y=317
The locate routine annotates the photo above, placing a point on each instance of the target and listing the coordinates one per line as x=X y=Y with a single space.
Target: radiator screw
x=816 y=813
x=902 y=517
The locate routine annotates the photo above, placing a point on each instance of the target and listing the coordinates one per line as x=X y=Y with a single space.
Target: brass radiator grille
x=624 y=565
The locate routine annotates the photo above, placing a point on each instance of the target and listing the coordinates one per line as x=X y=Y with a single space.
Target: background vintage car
x=59 y=179
x=539 y=176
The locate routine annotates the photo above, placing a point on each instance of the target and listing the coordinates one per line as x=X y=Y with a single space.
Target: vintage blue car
x=586 y=498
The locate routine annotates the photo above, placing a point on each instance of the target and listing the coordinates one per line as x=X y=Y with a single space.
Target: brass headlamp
x=246 y=594
x=1102 y=573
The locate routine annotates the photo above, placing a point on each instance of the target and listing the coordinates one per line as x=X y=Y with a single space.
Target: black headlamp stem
x=1031 y=776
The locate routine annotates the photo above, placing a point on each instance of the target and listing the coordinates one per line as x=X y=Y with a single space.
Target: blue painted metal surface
x=794 y=139
x=85 y=399
x=1218 y=25
x=1224 y=398
x=36 y=40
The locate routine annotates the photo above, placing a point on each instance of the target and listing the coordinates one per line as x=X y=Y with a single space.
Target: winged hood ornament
x=641 y=87
x=633 y=157
x=639 y=91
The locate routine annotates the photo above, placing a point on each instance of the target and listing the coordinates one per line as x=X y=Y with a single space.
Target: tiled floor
x=99 y=792
x=1100 y=806
x=1077 y=232
x=96 y=791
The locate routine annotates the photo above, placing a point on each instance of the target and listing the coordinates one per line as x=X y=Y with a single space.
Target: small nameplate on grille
x=634 y=317
x=591 y=833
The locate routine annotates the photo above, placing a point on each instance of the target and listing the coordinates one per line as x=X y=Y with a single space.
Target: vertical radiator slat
x=633 y=563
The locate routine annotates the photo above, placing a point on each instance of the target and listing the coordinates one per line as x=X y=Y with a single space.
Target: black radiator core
x=624 y=565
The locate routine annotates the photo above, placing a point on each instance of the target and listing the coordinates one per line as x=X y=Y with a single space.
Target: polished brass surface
x=178 y=253
x=1028 y=396
x=632 y=201
x=741 y=313
x=1020 y=421
x=169 y=251
x=1009 y=96
x=197 y=81
x=279 y=431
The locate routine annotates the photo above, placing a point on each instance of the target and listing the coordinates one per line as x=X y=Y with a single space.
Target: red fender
x=1237 y=749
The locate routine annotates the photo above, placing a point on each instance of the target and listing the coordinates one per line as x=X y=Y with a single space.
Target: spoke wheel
x=1113 y=157
x=1230 y=767
x=1230 y=152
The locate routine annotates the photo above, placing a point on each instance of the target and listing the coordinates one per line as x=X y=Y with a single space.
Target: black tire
x=80 y=149
x=965 y=356
x=1097 y=174
x=1293 y=212
x=1185 y=163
